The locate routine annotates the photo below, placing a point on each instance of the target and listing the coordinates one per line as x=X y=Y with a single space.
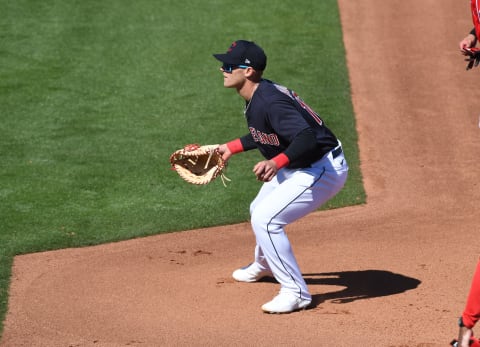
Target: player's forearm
x=305 y=142
x=242 y=144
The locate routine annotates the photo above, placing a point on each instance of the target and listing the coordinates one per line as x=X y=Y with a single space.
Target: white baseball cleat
x=285 y=303
x=250 y=273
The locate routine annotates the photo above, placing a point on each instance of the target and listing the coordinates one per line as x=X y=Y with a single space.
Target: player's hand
x=464 y=336
x=225 y=152
x=468 y=42
x=265 y=170
x=473 y=55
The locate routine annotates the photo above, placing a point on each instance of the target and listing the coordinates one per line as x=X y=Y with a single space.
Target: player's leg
x=269 y=217
x=300 y=192
x=259 y=268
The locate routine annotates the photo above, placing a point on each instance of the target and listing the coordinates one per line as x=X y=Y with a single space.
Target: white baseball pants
x=292 y=194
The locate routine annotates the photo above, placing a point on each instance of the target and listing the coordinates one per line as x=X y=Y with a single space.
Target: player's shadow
x=359 y=285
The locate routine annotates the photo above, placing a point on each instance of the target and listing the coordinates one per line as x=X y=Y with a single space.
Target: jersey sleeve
x=290 y=125
x=471 y=314
x=247 y=142
x=286 y=120
x=303 y=143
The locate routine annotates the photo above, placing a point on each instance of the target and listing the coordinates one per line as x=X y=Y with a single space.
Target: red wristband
x=235 y=146
x=281 y=160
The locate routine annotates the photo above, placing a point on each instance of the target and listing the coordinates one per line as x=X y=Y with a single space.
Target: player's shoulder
x=272 y=91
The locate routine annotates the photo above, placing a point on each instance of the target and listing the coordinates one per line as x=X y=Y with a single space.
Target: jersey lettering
x=263 y=138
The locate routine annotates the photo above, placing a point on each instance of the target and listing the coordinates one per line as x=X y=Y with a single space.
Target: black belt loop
x=336 y=152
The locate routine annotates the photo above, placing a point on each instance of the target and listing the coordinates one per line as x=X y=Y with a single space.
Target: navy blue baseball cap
x=243 y=52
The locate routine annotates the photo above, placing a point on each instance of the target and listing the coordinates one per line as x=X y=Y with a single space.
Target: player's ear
x=249 y=71
x=252 y=74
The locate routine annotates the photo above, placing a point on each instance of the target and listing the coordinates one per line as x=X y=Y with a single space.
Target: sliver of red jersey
x=471 y=314
x=475 y=16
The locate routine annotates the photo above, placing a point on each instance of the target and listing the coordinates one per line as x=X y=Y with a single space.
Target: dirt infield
x=394 y=272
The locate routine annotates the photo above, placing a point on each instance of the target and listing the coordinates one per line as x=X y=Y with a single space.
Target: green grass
x=95 y=95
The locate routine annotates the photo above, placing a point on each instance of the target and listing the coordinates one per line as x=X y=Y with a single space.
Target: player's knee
x=252 y=208
x=258 y=219
x=264 y=222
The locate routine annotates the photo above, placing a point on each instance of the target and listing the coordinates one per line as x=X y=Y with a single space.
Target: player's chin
x=228 y=84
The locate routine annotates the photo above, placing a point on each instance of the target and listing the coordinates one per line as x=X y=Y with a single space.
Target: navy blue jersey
x=276 y=116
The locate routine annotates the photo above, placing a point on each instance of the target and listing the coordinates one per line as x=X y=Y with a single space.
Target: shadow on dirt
x=359 y=285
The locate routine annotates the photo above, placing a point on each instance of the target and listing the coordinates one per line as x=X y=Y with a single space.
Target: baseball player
x=304 y=167
x=471 y=313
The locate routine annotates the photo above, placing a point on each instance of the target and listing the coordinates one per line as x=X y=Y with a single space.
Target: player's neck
x=248 y=89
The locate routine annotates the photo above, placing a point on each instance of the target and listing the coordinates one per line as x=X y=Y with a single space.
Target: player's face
x=233 y=76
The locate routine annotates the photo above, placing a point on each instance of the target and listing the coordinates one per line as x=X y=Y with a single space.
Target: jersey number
x=307 y=108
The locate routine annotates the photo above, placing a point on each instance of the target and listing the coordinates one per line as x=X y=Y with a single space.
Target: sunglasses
x=229 y=68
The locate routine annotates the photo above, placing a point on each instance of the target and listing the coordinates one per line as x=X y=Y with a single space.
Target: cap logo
x=247 y=61
x=233 y=45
